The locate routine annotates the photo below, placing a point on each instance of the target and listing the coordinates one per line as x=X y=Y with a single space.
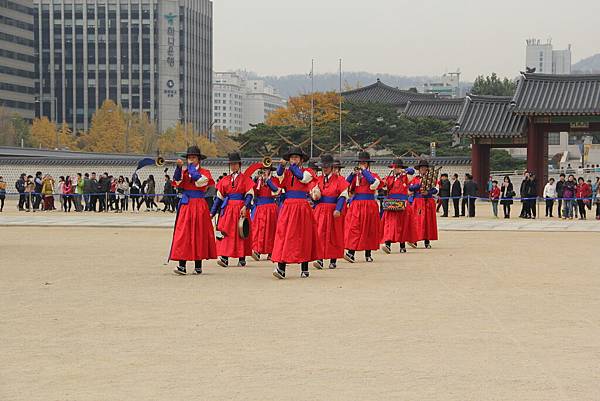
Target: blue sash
x=328 y=199
x=190 y=194
x=295 y=195
x=259 y=201
x=361 y=197
x=229 y=197
x=398 y=196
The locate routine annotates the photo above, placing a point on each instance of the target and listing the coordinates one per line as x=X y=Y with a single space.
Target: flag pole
x=340 y=109
x=312 y=104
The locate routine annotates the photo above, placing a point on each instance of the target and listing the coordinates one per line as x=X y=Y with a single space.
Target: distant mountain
x=590 y=65
x=294 y=85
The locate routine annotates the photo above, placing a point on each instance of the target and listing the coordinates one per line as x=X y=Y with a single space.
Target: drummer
x=397 y=219
x=235 y=192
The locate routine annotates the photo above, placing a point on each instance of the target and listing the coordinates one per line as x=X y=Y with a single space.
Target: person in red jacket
x=193 y=235
x=583 y=193
x=363 y=224
x=264 y=211
x=424 y=215
x=329 y=194
x=234 y=198
x=397 y=224
x=296 y=235
x=495 y=197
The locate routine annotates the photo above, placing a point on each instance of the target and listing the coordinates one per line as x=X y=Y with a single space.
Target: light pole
x=52 y=99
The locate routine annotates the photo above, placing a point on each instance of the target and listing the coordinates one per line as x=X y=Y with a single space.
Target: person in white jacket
x=550 y=196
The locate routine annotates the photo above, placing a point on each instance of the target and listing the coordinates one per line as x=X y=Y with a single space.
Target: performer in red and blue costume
x=424 y=214
x=264 y=210
x=193 y=235
x=296 y=235
x=234 y=199
x=398 y=225
x=363 y=223
x=329 y=194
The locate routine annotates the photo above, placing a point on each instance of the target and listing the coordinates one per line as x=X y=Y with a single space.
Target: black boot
x=387 y=247
x=223 y=261
x=368 y=257
x=181 y=268
x=197 y=267
x=304 y=267
x=333 y=263
x=242 y=262
x=279 y=271
x=349 y=256
x=318 y=264
x=403 y=247
x=427 y=244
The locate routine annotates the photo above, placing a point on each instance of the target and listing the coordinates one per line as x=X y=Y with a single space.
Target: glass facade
x=90 y=51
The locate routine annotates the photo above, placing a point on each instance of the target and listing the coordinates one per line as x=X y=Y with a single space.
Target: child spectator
x=495 y=197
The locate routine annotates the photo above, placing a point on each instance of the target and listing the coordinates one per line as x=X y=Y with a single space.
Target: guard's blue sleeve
x=272 y=186
x=340 y=203
x=368 y=176
x=410 y=171
x=248 y=200
x=296 y=171
x=350 y=178
x=194 y=173
x=414 y=187
x=216 y=206
x=280 y=170
x=433 y=191
x=178 y=174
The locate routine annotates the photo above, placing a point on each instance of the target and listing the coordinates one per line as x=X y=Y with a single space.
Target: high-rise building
x=545 y=59
x=150 y=56
x=239 y=102
x=17 y=59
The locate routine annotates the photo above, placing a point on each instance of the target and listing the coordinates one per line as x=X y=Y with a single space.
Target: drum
x=393 y=205
x=243 y=227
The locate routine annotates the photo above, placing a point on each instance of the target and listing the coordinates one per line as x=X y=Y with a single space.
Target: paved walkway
x=160 y=220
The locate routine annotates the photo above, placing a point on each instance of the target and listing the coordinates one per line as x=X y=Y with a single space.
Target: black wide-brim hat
x=364 y=157
x=234 y=158
x=314 y=165
x=326 y=161
x=295 y=151
x=397 y=163
x=194 y=151
x=338 y=164
x=422 y=163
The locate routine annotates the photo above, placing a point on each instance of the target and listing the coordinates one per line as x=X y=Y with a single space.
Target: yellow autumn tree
x=224 y=142
x=141 y=133
x=43 y=133
x=297 y=111
x=66 y=138
x=108 y=129
x=178 y=138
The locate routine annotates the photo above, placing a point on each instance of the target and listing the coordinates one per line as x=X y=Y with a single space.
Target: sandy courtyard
x=93 y=314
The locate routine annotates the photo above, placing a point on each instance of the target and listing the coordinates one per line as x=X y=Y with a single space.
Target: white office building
x=542 y=56
x=239 y=102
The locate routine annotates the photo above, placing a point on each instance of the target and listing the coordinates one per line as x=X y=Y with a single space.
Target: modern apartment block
x=150 y=56
x=239 y=102
x=17 y=59
x=545 y=59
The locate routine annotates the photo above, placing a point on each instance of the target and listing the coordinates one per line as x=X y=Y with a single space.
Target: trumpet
x=267 y=162
x=161 y=161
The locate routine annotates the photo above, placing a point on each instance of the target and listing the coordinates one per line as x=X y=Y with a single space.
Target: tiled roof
x=489 y=116
x=382 y=93
x=443 y=109
x=543 y=94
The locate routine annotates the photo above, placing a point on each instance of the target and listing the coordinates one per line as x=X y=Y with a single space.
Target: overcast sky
x=405 y=37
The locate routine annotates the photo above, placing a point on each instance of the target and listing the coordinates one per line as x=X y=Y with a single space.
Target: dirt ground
x=93 y=314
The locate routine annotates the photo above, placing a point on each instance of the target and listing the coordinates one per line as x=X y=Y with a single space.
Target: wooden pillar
x=480 y=166
x=537 y=154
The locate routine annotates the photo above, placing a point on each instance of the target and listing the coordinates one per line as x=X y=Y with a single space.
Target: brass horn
x=161 y=161
x=267 y=162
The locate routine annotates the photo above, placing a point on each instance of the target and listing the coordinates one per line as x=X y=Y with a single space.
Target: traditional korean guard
x=264 y=212
x=296 y=235
x=193 y=235
x=329 y=194
x=397 y=215
x=424 y=214
x=234 y=198
x=363 y=228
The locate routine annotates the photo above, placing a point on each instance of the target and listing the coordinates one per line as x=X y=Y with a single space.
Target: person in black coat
x=524 y=193
x=20 y=187
x=455 y=193
x=559 y=192
x=444 y=193
x=470 y=190
x=507 y=193
x=532 y=194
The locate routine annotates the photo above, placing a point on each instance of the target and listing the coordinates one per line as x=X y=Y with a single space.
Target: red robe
x=264 y=218
x=329 y=228
x=232 y=245
x=424 y=214
x=193 y=236
x=296 y=235
x=363 y=224
x=398 y=226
